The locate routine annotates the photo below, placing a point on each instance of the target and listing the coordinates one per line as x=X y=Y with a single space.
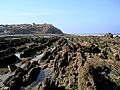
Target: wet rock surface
x=63 y=63
x=23 y=77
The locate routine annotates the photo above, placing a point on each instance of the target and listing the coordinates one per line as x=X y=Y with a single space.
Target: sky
x=71 y=16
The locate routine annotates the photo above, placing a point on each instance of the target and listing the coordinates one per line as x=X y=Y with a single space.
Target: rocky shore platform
x=67 y=62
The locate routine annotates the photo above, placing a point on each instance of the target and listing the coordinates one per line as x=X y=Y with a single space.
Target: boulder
x=108 y=35
x=31 y=76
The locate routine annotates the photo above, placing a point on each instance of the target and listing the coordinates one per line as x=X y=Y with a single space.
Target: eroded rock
x=50 y=85
x=31 y=76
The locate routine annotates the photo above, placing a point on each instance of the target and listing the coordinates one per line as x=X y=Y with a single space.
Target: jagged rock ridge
x=61 y=63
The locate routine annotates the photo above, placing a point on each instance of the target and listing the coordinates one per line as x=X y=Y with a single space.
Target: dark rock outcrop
x=12 y=59
x=12 y=67
x=108 y=35
x=13 y=82
x=50 y=85
x=31 y=76
x=23 y=77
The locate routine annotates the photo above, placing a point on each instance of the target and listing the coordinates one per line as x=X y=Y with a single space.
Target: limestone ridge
x=29 y=29
x=60 y=63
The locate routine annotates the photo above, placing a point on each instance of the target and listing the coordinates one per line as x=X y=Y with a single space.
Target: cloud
x=34 y=14
x=57 y=11
x=42 y=12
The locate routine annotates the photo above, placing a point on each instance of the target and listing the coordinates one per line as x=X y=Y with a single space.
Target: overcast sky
x=71 y=16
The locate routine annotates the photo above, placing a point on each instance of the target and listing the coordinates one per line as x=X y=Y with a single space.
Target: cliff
x=30 y=29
